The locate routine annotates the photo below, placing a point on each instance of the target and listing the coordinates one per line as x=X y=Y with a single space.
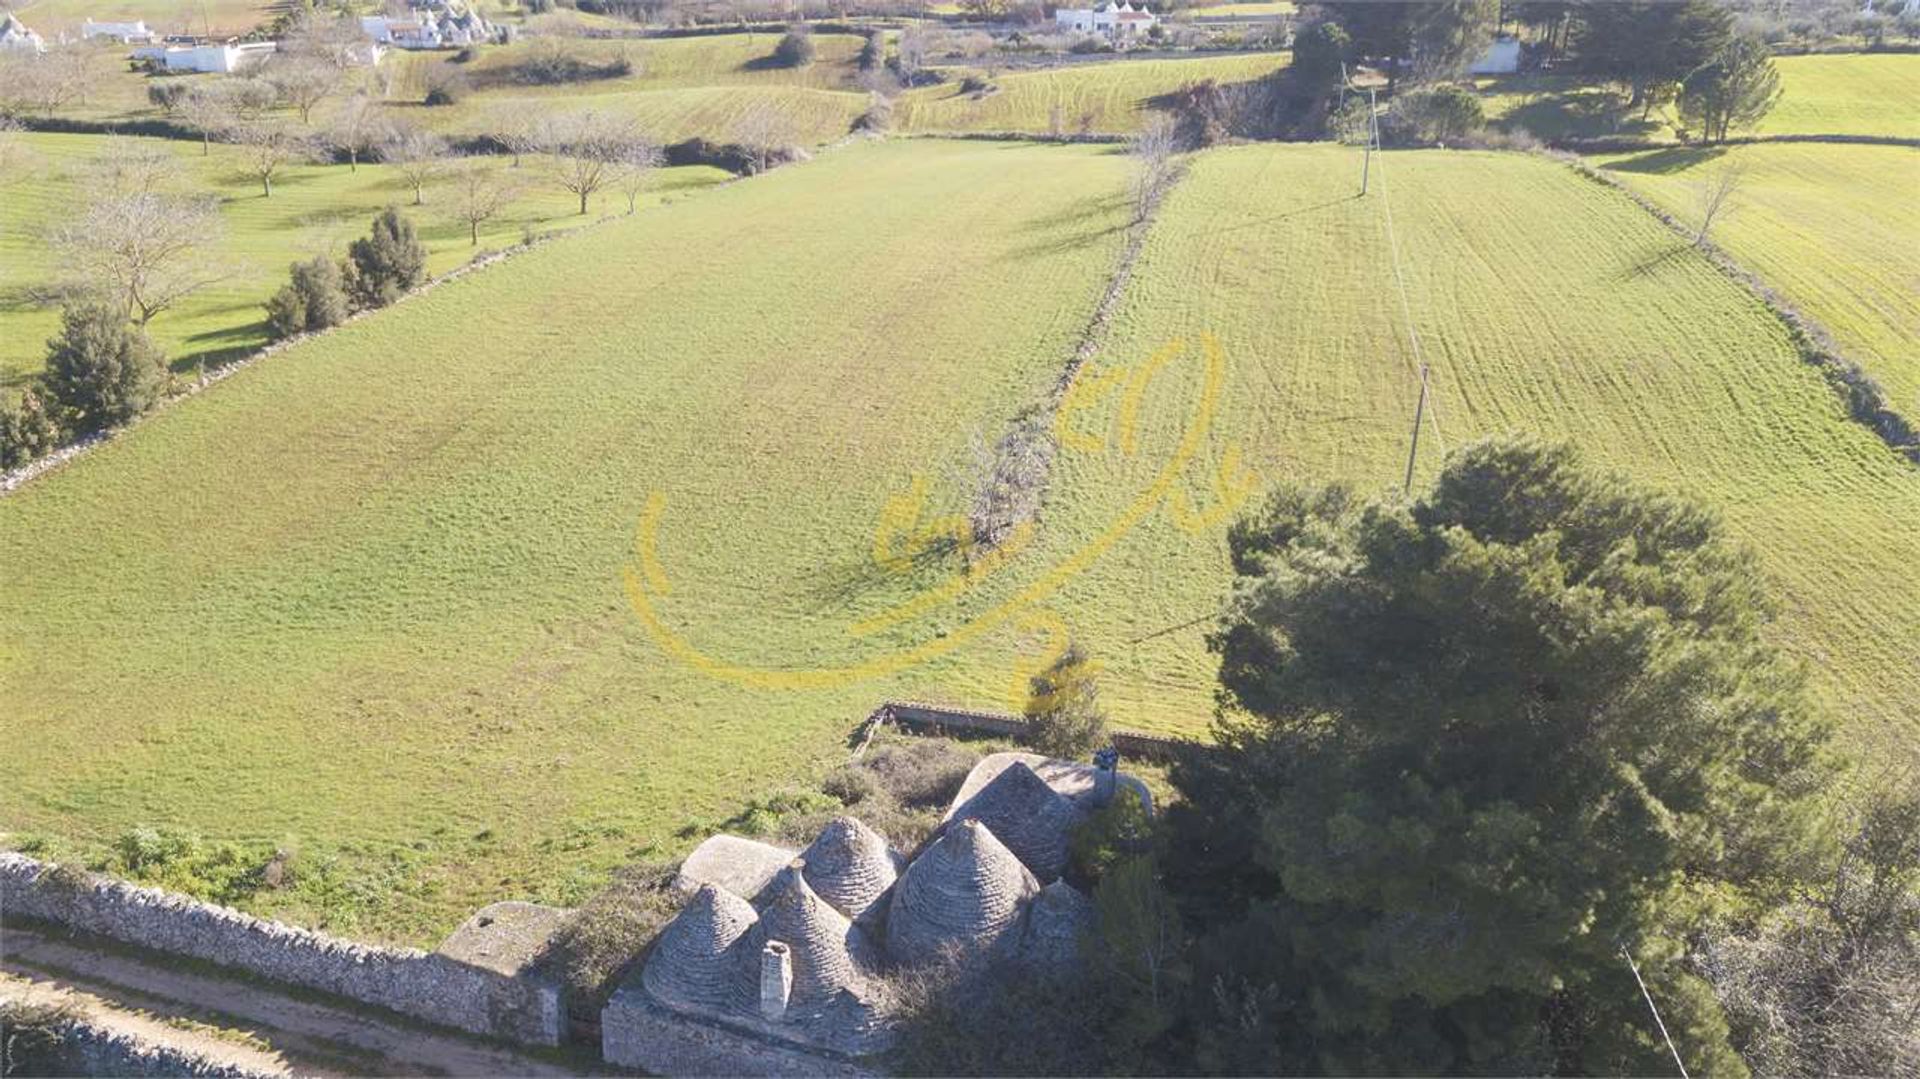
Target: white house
x=15 y=35
x=1501 y=58
x=1121 y=20
x=126 y=33
x=223 y=59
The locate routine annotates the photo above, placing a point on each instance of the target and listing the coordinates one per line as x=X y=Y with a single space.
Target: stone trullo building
x=773 y=966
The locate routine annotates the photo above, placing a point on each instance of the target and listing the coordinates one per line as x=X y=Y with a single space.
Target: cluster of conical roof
x=849 y=905
x=1027 y=815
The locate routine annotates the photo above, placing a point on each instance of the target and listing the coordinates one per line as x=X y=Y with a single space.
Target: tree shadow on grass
x=1654 y=259
x=1289 y=215
x=217 y=348
x=1667 y=162
x=1071 y=231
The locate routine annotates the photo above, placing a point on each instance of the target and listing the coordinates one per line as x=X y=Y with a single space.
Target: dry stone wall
x=424 y=985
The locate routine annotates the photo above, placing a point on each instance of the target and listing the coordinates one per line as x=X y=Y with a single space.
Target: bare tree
x=303 y=82
x=45 y=82
x=517 y=130
x=633 y=168
x=764 y=130
x=481 y=191
x=335 y=40
x=359 y=129
x=1154 y=148
x=418 y=155
x=587 y=149
x=1711 y=196
x=140 y=240
x=219 y=109
x=267 y=148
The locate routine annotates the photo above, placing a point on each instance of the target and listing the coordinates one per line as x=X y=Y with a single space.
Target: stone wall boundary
x=422 y=985
x=934 y=718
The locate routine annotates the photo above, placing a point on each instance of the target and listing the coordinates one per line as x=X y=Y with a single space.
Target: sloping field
x=811 y=116
x=1834 y=228
x=1105 y=97
x=218 y=17
x=1567 y=312
x=314 y=209
x=1848 y=94
x=369 y=595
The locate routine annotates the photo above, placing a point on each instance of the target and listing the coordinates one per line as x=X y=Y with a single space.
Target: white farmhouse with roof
x=222 y=59
x=126 y=33
x=435 y=26
x=15 y=35
x=1121 y=20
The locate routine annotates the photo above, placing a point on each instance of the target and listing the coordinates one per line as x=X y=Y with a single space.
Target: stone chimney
x=776 y=980
x=1106 y=771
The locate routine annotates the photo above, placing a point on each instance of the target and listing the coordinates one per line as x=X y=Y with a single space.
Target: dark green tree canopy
x=387 y=262
x=1499 y=732
x=1735 y=89
x=101 y=370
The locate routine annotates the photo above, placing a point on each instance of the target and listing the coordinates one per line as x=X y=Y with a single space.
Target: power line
x=1661 y=1023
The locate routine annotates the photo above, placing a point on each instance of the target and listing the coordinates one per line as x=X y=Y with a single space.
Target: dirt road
x=243 y=1019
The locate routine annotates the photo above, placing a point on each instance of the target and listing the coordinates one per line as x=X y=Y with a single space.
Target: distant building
x=221 y=59
x=14 y=35
x=441 y=25
x=1501 y=58
x=1119 y=21
x=126 y=33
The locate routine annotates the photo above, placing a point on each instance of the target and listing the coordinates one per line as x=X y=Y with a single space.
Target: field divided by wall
x=1835 y=228
x=1546 y=303
x=370 y=592
x=1104 y=98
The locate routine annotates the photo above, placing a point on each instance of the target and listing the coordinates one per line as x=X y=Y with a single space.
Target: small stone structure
x=480 y=983
x=772 y=967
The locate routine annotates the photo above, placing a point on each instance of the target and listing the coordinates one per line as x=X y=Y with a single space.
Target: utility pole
x=1373 y=124
x=1419 y=413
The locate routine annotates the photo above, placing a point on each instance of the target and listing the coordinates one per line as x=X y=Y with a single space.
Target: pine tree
x=101 y=370
x=387 y=263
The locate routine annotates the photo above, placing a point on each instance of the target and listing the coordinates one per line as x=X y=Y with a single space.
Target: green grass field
x=1836 y=94
x=215 y=17
x=1106 y=97
x=1834 y=228
x=317 y=208
x=411 y=643
x=535 y=574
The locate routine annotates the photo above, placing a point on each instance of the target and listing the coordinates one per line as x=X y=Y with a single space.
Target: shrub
x=101 y=370
x=1318 y=52
x=386 y=263
x=36 y=1037
x=611 y=930
x=975 y=84
x=446 y=87
x=1063 y=707
x=870 y=51
x=168 y=95
x=1120 y=829
x=1203 y=110
x=795 y=48
x=1436 y=114
x=27 y=430
x=315 y=298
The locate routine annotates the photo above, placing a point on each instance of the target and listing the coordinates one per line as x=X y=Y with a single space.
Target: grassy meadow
x=369 y=595
x=1104 y=97
x=212 y=17
x=314 y=209
x=473 y=621
x=1835 y=228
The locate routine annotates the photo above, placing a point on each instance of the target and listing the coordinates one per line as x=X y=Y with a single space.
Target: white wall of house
x=14 y=35
x=127 y=33
x=1501 y=58
x=213 y=59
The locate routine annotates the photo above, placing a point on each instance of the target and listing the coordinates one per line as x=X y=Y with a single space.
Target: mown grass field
x=217 y=17
x=1835 y=94
x=1835 y=228
x=314 y=209
x=1105 y=98
x=369 y=594
x=1568 y=312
